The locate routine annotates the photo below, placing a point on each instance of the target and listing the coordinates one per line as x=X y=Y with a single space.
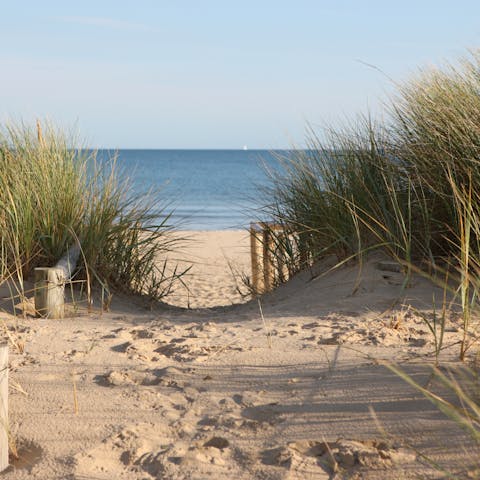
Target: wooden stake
x=282 y=270
x=257 y=277
x=50 y=284
x=268 y=268
x=49 y=292
x=4 y=430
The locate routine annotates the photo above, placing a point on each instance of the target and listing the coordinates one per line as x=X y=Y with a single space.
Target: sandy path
x=212 y=393
x=217 y=260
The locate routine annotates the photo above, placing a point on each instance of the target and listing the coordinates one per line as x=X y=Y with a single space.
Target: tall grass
x=53 y=193
x=347 y=194
x=409 y=185
x=436 y=127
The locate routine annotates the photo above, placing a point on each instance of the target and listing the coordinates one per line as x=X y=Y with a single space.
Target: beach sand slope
x=222 y=393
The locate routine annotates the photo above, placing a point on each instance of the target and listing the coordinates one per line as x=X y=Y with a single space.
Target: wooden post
x=282 y=240
x=257 y=274
x=4 y=430
x=49 y=292
x=50 y=285
x=268 y=267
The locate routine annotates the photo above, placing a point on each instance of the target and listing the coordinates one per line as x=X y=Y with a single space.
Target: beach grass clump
x=436 y=128
x=54 y=194
x=408 y=186
x=344 y=195
x=390 y=184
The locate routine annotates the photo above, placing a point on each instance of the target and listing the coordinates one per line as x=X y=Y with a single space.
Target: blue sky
x=216 y=74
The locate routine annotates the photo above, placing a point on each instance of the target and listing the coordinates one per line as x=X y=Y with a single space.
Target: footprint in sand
x=129 y=377
x=258 y=413
x=231 y=422
x=137 y=448
x=213 y=452
x=141 y=333
x=167 y=377
x=182 y=350
x=342 y=455
x=155 y=451
x=150 y=344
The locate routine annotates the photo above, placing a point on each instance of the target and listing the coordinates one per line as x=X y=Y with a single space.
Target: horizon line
x=196 y=149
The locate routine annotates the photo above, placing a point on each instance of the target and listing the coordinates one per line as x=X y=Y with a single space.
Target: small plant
x=436 y=325
x=398 y=318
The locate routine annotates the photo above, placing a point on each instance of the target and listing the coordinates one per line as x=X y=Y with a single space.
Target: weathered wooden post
x=282 y=242
x=4 y=431
x=49 y=292
x=268 y=257
x=257 y=270
x=268 y=263
x=50 y=285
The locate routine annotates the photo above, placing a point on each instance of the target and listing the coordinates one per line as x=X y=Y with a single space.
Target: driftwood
x=50 y=284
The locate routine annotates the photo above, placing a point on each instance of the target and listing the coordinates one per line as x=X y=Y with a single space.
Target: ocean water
x=205 y=189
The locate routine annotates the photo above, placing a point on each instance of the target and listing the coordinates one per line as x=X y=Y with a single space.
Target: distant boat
x=245 y=147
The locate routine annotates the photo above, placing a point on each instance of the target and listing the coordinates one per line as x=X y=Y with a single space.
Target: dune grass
x=409 y=186
x=53 y=193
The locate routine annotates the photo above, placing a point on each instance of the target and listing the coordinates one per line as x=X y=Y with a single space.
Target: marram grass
x=53 y=193
x=408 y=185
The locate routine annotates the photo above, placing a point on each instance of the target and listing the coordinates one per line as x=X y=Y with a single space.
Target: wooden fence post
x=282 y=241
x=4 y=431
x=268 y=257
x=268 y=262
x=49 y=292
x=257 y=269
x=50 y=285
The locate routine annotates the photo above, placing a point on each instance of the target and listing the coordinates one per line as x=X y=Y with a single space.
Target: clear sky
x=216 y=74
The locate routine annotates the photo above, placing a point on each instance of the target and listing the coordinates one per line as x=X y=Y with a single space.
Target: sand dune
x=218 y=393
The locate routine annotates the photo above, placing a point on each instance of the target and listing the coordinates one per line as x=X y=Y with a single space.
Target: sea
x=201 y=189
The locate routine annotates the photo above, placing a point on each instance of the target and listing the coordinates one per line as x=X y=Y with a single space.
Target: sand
x=216 y=261
x=219 y=393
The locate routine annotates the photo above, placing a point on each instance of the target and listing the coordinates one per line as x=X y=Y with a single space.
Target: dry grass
x=411 y=187
x=53 y=193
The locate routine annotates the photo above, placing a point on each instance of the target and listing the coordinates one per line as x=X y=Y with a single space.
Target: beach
x=240 y=241
x=300 y=391
x=216 y=260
